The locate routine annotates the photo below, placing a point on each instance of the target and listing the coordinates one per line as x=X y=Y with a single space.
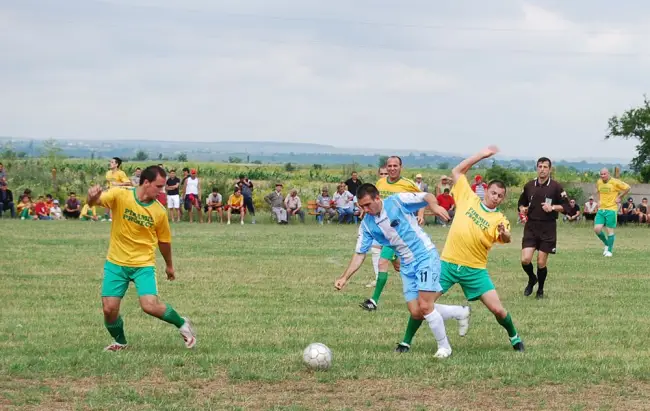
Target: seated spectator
x=424 y=187
x=89 y=213
x=344 y=201
x=446 y=201
x=25 y=207
x=135 y=178
x=445 y=182
x=629 y=211
x=6 y=200
x=293 y=205
x=3 y=174
x=214 y=203
x=276 y=200
x=41 y=211
x=72 y=207
x=642 y=211
x=358 y=211
x=49 y=202
x=236 y=205
x=590 y=209
x=27 y=193
x=55 y=211
x=324 y=206
x=573 y=212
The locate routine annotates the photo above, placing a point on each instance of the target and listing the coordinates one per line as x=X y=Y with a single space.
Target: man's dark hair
x=137 y=168
x=397 y=157
x=544 y=160
x=151 y=173
x=644 y=198
x=446 y=190
x=72 y=193
x=173 y=170
x=366 y=189
x=186 y=169
x=215 y=190
x=237 y=189
x=241 y=176
x=118 y=161
x=48 y=195
x=498 y=183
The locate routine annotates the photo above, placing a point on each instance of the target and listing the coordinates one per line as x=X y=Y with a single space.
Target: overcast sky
x=534 y=77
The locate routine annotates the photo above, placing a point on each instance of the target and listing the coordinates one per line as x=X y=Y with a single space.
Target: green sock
x=411 y=328
x=116 y=330
x=172 y=317
x=508 y=325
x=603 y=238
x=610 y=242
x=381 y=282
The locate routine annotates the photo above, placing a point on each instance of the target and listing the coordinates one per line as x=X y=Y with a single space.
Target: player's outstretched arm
x=94 y=194
x=437 y=209
x=353 y=267
x=464 y=166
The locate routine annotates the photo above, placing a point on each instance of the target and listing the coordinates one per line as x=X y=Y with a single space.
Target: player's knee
x=149 y=307
x=383 y=265
x=425 y=307
x=498 y=311
x=110 y=312
x=525 y=260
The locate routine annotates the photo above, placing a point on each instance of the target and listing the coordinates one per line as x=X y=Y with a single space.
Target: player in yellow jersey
x=139 y=226
x=477 y=225
x=391 y=184
x=611 y=191
x=116 y=178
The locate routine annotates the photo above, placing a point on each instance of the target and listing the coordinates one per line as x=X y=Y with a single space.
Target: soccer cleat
x=540 y=294
x=606 y=250
x=517 y=343
x=371 y=284
x=607 y=254
x=529 y=288
x=242 y=223
x=442 y=352
x=463 y=323
x=116 y=347
x=402 y=347
x=187 y=332
x=368 y=305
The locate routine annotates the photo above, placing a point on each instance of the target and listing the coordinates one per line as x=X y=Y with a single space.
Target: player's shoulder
x=408 y=182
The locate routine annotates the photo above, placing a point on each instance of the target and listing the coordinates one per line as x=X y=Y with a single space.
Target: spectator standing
x=214 y=203
x=324 y=206
x=591 y=209
x=293 y=205
x=72 y=207
x=276 y=201
x=446 y=201
x=6 y=200
x=353 y=183
x=192 y=195
x=236 y=205
x=173 y=198
x=424 y=187
x=479 y=187
x=135 y=178
x=246 y=186
x=572 y=212
x=55 y=211
x=445 y=182
x=344 y=201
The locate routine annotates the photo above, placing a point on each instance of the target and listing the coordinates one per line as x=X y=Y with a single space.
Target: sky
x=533 y=77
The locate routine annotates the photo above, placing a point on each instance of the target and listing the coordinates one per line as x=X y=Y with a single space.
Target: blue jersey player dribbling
x=391 y=222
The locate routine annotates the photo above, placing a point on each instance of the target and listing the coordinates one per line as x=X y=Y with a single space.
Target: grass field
x=259 y=294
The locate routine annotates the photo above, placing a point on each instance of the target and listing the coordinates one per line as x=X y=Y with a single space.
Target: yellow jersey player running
x=393 y=183
x=139 y=225
x=477 y=225
x=611 y=191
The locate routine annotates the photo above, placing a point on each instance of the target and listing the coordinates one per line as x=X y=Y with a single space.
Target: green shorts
x=117 y=278
x=387 y=253
x=474 y=281
x=606 y=218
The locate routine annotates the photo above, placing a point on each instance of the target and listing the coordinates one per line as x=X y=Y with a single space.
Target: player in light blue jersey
x=391 y=222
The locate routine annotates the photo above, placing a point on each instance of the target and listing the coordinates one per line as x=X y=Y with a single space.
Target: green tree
x=51 y=149
x=508 y=176
x=257 y=162
x=443 y=166
x=634 y=124
x=289 y=167
x=234 y=160
x=182 y=157
x=160 y=156
x=382 y=161
x=141 y=155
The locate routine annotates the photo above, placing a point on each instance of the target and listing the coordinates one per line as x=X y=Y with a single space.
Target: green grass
x=259 y=294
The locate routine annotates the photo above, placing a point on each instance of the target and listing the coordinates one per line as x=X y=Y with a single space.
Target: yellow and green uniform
x=471 y=236
x=387 y=189
x=87 y=212
x=117 y=176
x=136 y=230
x=608 y=208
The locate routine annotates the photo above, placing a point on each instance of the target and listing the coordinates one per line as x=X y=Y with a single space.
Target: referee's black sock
x=528 y=268
x=541 y=276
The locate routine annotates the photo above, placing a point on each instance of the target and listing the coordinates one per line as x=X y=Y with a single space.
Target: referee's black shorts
x=540 y=235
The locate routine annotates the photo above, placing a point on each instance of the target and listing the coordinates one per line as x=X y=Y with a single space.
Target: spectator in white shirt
x=214 y=203
x=590 y=209
x=324 y=204
x=294 y=205
x=55 y=211
x=344 y=202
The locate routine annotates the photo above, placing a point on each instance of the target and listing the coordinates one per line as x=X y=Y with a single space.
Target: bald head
x=604 y=174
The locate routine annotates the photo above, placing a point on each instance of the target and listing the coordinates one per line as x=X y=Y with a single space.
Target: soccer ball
x=317 y=356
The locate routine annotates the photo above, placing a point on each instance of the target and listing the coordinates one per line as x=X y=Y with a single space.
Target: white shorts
x=174 y=201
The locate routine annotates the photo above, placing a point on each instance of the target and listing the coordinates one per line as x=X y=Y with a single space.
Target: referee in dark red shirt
x=540 y=201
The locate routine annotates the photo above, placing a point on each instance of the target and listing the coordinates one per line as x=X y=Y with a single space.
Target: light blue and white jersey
x=397 y=227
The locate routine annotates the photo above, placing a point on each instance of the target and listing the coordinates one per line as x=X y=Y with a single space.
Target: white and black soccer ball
x=317 y=356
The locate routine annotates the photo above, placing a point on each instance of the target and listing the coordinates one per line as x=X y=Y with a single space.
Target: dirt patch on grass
x=308 y=393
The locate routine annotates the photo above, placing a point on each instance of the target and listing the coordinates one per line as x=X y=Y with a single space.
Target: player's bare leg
x=424 y=308
x=153 y=306
x=491 y=300
x=114 y=324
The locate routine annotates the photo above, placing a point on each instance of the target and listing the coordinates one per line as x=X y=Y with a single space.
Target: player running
x=477 y=225
x=139 y=225
x=391 y=222
x=391 y=184
x=611 y=191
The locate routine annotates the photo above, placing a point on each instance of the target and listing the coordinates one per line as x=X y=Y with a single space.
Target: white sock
x=437 y=325
x=451 y=312
x=376 y=255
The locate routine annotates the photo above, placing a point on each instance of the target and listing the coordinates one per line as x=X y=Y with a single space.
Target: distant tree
x=141 y=155
x=317 y=166
x=289 y=167
x=635 y=124
x=443 y=166
x=92 y=155
x=382 y=161
x=257 y=162
x=160 y=156
x=182 y=157
x=51 y=148
x=508 y=176
x=234 y=160
x=21 y=154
